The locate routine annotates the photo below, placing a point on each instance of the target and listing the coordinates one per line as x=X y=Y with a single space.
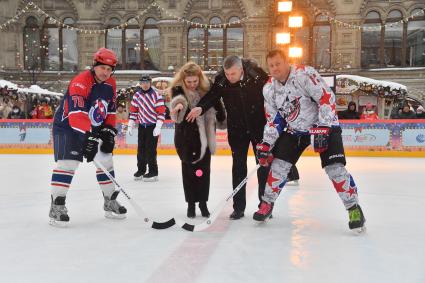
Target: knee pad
x=280 y=168
x=105 y=159
x=336 y=171
x=67 y=165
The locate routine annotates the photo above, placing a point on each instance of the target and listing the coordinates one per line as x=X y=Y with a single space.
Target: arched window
x=234 y=38
x=31 y=44
x=322 y=42
x=114 y=39
x=416 y=39
x=69 y=46
x=151 y=45
x=196 y=43
x=393 y=40
x=50 y=46
x=371 y=35
x=215 y=44
x=132 y=45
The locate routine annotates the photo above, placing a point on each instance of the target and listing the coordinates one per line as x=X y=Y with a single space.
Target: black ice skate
x=113 y=209
x=264 y=212
x=58 y=213
x=150 y=177
x=139 y=175
x=357 y=219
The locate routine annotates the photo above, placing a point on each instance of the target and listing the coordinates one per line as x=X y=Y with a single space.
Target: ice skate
x=292 y=183
x=58 y=213
x=139 y=175
x=357 y=219
x=113 y=209
x=150 y=177
x=264 y=213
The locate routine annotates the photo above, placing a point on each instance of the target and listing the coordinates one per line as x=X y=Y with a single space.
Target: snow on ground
x=308 y=239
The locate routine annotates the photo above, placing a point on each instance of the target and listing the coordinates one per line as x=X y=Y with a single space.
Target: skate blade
x=153 y=179
x=59 y=224
x=111 y=215
x=360 y=230
x=138 y=178
x=292 y=183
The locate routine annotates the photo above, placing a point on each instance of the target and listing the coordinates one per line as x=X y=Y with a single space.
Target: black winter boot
x=204 y=209
x=191 y=210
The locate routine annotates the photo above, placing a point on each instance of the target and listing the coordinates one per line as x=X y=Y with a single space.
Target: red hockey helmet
x=105 y=56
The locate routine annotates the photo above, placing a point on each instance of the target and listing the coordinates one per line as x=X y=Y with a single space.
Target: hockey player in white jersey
x=300 y=109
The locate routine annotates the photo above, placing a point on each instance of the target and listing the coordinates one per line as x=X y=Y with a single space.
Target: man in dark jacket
x=240 y=85
x=406 y=112
x=350 y=113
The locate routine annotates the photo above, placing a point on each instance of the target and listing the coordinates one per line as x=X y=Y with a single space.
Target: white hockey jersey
x=303 y=101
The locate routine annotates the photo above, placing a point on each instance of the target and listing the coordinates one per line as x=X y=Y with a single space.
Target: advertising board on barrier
x=377 y=138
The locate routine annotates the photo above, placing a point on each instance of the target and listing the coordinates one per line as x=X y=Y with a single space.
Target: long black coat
x=187 y=138
x=244 y=101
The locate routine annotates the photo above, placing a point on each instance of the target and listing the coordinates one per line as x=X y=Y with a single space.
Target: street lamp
x=295 y=52
x=295 y=22
x=283 y=38
x=284 y=6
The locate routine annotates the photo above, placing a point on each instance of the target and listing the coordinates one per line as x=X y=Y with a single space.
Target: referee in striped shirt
x=148 y=109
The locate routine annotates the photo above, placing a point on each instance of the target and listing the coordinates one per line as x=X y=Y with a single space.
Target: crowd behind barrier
x=360 y=137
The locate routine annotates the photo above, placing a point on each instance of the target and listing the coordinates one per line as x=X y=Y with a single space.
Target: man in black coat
x=350 y=113
x=240 y=85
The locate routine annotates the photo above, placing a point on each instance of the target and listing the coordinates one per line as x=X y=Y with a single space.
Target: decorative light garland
x=32 y=6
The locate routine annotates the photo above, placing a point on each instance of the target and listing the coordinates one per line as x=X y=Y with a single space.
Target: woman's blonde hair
x=188 y=70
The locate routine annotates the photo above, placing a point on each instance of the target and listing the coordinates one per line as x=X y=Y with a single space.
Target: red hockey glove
x=264 y=155
x=320 y=138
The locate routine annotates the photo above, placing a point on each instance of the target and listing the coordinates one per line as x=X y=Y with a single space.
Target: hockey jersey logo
x=291 y=109
x=98 y=112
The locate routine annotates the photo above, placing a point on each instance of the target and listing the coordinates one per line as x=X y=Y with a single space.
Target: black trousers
x=196 y=188
x=293 y=174
x=289 y=147
x=239 y=145
x=146 y=149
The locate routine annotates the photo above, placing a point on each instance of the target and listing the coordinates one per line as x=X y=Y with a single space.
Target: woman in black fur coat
x=195 y=142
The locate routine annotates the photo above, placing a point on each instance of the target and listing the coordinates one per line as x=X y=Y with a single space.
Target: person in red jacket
x=369 y=113
x=86 y=115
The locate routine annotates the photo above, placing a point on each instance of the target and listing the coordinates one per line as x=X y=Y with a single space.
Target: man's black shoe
x=236 y=215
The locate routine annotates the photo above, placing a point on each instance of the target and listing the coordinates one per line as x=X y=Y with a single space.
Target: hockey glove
x=90 y=146
x=130 y=126
x=264 y=155
x=107 y=135
x=320 y=138
x=157 y=129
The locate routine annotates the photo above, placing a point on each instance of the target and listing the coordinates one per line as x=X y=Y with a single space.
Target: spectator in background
x=16 y=113
x=420 y=113
x=406 y=112
x=121 y=115
x=369 y=113
x=350 y=113
x=43 y=111
x=5 y=108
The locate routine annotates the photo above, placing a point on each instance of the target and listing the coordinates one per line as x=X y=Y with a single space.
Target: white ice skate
x=58 y=213
x=113 y=209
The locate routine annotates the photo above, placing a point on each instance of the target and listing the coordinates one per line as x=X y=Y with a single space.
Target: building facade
x=47 y=41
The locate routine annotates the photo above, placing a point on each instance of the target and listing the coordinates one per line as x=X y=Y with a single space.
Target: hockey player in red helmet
x=85 y=116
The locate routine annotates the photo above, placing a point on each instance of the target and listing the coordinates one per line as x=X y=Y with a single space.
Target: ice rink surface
x=308 y=239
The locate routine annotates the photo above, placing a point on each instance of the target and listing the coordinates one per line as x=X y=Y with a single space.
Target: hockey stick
x=137 y=208
x=203 y=225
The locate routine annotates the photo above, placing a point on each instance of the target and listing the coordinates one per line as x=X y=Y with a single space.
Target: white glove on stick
x=130 y=127
x=157 y=129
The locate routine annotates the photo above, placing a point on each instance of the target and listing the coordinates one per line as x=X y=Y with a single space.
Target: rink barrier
x=381 y=138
